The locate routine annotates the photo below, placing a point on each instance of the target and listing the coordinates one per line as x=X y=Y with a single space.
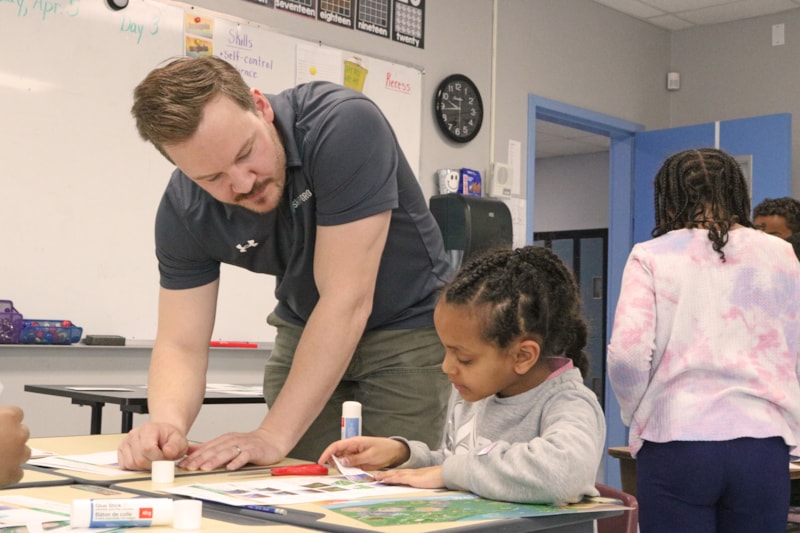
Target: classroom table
x=84 y=444
x=33 y=477
x=627 y=468
x=133 y=399
x=219 y=518
x=209 y=524
x=331 y=521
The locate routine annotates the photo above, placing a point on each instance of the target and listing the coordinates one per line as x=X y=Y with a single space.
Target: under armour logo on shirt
x=244 y=247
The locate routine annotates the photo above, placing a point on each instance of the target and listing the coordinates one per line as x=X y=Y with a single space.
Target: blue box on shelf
x=10 y=323
x=49 y=332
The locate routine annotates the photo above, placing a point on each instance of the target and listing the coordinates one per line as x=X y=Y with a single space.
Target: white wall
x=571 y=192
x=731 y=71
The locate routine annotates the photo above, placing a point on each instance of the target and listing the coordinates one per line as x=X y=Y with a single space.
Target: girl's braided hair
x=528 y=293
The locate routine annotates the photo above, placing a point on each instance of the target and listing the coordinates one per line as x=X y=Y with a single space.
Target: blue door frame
x=620 y=221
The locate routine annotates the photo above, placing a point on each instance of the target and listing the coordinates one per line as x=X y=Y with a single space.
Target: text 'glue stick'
x=121 y=512
x=351 y=419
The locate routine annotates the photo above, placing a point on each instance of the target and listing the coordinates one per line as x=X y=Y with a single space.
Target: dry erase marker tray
x=10 y=323
x=49 y=332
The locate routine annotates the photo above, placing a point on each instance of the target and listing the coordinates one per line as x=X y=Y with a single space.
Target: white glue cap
x=187 y=514
x=163 y=471
x=351 y=410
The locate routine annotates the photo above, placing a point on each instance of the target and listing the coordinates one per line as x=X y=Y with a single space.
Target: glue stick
x=121 y=512
x=351 y=419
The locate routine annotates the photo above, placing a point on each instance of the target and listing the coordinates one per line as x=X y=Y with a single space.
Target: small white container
x=121 y=512
x=351 y=419
x=188 y=514
x=162 y=472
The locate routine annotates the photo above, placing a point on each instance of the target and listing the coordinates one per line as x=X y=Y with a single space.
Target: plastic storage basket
x=49 y=332
x=10 y=323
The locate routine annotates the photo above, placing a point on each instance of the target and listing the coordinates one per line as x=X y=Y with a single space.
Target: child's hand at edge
x=367 y=453
x=429 y=477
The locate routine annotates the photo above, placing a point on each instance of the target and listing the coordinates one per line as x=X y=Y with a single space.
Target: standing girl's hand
x=429 y=477
x=367 y=453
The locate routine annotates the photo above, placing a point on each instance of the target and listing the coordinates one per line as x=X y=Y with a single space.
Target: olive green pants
x=396 y=375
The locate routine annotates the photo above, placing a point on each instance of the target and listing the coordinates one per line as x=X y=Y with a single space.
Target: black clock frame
x=446 y=123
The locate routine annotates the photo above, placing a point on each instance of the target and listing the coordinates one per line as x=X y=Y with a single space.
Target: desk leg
x=127 y=421
x=97 y=419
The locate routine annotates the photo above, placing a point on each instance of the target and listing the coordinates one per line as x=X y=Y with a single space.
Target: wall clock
x=458 y=108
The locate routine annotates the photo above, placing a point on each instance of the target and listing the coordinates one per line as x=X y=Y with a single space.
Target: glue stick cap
x=80 y=513
x=163 y=471
x=187 y=514
x=351 y=410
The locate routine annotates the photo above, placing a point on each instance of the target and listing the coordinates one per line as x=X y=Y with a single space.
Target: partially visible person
x=703 y=356
x=14 y=451
x=778 y=216
x=310 y=186
x=794 y=240
x=521 y=424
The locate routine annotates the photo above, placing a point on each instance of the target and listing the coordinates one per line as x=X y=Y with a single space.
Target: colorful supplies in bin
x=10 y=323
x=49 y=332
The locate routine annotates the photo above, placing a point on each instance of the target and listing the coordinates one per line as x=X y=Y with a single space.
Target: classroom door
x=762 y=145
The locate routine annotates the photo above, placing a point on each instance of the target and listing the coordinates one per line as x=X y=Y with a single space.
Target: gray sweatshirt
x=542 y=446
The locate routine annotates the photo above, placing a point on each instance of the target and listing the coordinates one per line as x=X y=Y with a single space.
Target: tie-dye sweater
x=703 y=350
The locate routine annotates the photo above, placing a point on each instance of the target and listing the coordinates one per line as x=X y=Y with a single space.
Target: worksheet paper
x=287 y=490
x=101 y=463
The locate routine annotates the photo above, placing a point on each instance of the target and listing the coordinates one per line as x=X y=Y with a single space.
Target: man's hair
x=168 y=104
x=785 y=207
x=702 y=188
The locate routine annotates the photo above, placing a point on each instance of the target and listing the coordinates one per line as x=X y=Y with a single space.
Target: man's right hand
x=150 y=442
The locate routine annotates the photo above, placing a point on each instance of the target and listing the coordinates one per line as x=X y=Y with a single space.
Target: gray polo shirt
x=343 y=164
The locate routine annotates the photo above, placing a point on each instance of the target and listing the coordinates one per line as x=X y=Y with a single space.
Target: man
x=780 y=217
x=312 y=187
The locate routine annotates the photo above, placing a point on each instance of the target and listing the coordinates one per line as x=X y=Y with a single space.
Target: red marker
x=230 y=344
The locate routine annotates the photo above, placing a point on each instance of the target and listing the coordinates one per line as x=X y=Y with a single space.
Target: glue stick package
x=121 y=512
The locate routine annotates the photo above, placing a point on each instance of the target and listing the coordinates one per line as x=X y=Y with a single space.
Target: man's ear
x=527 y=355
x=263 y=106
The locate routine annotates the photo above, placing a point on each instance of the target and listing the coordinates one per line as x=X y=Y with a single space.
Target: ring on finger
x=238 y=450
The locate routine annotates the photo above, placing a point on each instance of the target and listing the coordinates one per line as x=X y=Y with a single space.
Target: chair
x=628 y=521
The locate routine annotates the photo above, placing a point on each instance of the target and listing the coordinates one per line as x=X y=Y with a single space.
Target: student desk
x=33 y=477
x=67 y=493
x=337 y=523
x=83 y=444
x=627 y=468
x=130 y=398
x=139 y=483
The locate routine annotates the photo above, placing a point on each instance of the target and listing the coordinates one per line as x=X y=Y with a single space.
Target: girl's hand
x=367 y=453
x=422 y=478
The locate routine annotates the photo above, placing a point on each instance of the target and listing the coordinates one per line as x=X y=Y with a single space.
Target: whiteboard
x=80 y=188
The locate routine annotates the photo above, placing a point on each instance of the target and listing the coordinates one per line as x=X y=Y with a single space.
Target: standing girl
x=522 y=426
x=703 y=356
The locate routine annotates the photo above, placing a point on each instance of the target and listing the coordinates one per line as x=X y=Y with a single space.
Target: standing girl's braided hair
x=701 y=188
x=529 y=293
